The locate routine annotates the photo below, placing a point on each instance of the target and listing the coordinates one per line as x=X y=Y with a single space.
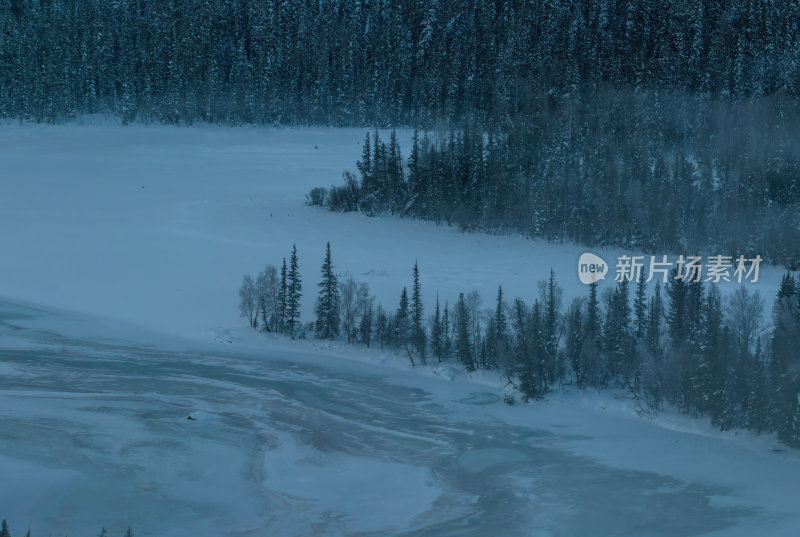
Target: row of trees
x=272 y=303
x=681 y=344
x=601 y=181
x=5 y=532
x=272 y=300
x=380 y=61
x=350 y=306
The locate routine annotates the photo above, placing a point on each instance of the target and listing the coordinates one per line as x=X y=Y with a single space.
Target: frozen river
x=95 y=432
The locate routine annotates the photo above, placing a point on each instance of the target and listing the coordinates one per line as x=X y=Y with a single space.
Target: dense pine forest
x=670 y=124
x=630 y=188
x=678 y=343
x=418 y=62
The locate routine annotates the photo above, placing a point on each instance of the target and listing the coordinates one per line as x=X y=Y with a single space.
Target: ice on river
x=95 y=433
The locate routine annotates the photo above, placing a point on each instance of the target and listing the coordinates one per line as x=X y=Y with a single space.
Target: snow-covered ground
x=121 y=252
x=156 y=225
x=295 y=440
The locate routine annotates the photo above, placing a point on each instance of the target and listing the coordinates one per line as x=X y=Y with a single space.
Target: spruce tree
x=552 y=299
x=4 y=529
x=654 y=316
x=498 y=347
x=379 y=174
x=694 y=312
x=677 y=298
x=489 y=345
x=711 y=372
x=617 y=335
x=784 y=405
x=640 y=308
x=418 y=336
x=500 y=322
x=395 y=180
x=593 y=332
x=533 y=371
x=797 y=307
x=789 y=433
x=283 y=294
x=726 y=402
x=592 y=367
x=756 y=402
x=294 y=293
x=786 y=290
x=402 y=331
x=520 y=352
x=327 y=323
x=365 y=324
x=446 y=332
x=381 y=326
x=436 y=332
x=416 y=186
x=365 y=168
x=463 y=346
x=652 y=368
x=575 y=342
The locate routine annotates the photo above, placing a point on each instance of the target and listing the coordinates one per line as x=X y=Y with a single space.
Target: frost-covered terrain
x=121 y=252
x=157 y=225
x=292 y=440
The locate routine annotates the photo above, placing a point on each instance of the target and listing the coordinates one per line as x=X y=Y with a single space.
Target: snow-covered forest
x=389 y=62
x=646 y=125
x=684 y=346
x=630 y=189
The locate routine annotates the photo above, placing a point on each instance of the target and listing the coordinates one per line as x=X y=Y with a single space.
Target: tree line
x=381 y=62
x=577 y=183
x=679 y=344
x=5 y=532
x=272 y=300
x=643 y=124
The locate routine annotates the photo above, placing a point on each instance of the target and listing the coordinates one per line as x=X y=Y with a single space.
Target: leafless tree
x=348 y=291
x=267 y=296
x=248 y=297
x=745 y=312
